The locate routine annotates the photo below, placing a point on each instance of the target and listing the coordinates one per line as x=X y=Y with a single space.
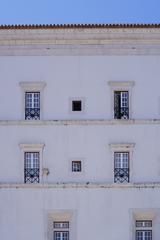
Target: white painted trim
x=122 y=146
x=32 y=86
x=32 y=147
x=121 y=85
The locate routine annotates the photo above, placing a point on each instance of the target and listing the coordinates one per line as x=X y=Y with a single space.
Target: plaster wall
x=99 y=213
x=89 y=143
x=80 y=76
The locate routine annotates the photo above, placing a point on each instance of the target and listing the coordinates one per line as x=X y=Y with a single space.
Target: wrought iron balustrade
x=32 y=113
x=121 y=113
x=31 y=175
x=121 y=175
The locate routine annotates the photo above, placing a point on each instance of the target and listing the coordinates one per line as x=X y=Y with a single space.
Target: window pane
x=32 y=105
x=76 y=166
x=31 y=167
x=61 y=224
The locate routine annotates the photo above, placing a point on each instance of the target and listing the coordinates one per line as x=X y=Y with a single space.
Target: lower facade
x=80 y=212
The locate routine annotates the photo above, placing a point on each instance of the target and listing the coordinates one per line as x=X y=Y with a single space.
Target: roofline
x=77 y=26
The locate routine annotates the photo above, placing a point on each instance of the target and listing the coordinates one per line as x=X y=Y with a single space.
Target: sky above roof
x=79 y=11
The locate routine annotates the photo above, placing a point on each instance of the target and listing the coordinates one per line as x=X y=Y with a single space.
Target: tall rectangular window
x=32 y=105
x=31 y=167
x=121 y=167
x=121 y=105
x=143 y=230
x=61 y=230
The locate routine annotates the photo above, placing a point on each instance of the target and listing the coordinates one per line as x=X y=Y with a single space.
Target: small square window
x=77 y=105
x=76 y=166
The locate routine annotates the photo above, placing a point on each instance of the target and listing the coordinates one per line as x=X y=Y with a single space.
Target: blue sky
x=79 y=11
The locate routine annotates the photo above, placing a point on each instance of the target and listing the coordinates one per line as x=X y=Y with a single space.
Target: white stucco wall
x=100 y=213
x=89 y=143
x=80 y=76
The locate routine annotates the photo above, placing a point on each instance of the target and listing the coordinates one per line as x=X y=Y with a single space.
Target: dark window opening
x=76 y=105
x=121 y=105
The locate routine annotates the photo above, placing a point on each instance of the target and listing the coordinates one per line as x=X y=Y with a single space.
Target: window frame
x=32 y=87
x=143 y=228
x=121 y=86
x=122 y=148
x=33 y=103
x=121 y=167
x=121 y=105
x=60 y=229
x=76 y=161
x=33 y=148
x=32 y=167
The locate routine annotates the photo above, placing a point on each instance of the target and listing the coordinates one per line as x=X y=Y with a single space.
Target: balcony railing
x=31 y=175
x=121 y=175
x=32 y=113
x=121 y=113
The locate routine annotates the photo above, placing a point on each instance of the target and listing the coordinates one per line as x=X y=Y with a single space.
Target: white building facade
x=80 y=132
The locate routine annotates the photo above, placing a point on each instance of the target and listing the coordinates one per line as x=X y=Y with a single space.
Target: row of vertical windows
x=143 y=230
x=32 y=167
x=121 y=105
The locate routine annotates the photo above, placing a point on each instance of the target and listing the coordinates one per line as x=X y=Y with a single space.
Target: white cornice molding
x=100 y=122
x=121 y=146
x=31 y=146
x=80 y=42
x=119 y=84
x=32 y=86
x=58 y=185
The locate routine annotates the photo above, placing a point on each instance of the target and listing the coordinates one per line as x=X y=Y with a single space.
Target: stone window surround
x=142 y=214
x=32 y=87
x=32 y=147
x=122 y=147
x=51 y=216
x=76 y=174
x=82 y=99
x=121 y=86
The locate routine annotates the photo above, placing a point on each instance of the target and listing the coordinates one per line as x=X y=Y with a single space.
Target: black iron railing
x=31 y=175
x=121 y=175
x=121 y=113
x=32 y=113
